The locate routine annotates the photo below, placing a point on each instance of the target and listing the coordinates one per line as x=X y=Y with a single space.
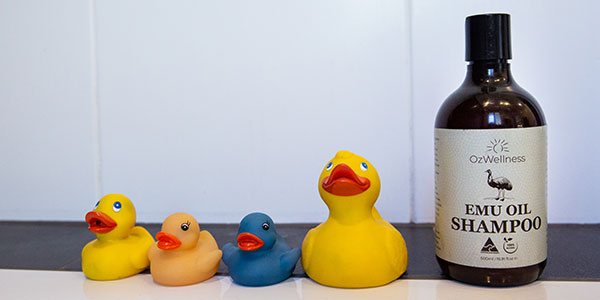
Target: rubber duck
x=355 y=247
x=183 y=254
x=262 y=256
x=121 y=248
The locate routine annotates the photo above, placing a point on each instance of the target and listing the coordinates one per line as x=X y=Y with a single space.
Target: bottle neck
x=489 y=73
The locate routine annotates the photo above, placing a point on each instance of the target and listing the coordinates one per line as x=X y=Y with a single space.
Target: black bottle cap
x=488 y=37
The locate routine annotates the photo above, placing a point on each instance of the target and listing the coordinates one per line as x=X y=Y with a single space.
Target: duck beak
x=99 y=222
x=344 y=182
x=167 y=241
x=249 y=242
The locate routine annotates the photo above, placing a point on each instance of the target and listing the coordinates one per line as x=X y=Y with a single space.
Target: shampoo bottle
x=491 y=168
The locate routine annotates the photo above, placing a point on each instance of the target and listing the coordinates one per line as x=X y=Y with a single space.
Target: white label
x=490 y=188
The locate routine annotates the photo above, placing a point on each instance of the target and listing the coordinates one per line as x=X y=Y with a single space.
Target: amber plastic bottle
x=490 y=99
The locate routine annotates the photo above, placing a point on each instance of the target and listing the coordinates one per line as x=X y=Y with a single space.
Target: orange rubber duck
x=183 y=255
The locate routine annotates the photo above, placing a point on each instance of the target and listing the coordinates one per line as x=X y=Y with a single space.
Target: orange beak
x=249 y=242
x=344 y=182
x=167 y=241
x=99 y=222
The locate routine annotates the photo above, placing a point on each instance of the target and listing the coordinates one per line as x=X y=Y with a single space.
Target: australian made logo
x=489 y=247
x=509 y=246
x=496 y=152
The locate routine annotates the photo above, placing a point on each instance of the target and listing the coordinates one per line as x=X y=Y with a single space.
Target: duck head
x=349 y=185
x=113 y=217
x=257 y=233
x=179 y=231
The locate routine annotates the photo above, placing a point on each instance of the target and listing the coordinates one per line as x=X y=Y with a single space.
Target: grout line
x=95 y=100
x=411 y=118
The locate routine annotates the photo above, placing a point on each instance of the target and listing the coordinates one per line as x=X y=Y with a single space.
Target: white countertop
x=27 y=284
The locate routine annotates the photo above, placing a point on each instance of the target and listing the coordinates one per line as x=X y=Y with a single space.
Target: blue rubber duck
x=262 y=256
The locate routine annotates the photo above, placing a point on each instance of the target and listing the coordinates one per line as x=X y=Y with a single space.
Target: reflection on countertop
x=25 y=284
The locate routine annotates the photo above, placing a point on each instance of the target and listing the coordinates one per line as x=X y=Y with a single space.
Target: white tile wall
x=220 y=108
x=46 y=135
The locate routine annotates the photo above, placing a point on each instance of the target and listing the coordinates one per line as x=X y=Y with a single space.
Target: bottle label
x=490 y=188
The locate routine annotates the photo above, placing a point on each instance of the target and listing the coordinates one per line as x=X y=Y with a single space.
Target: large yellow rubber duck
x=355 y=247
x=183 y=254
x=121 y=248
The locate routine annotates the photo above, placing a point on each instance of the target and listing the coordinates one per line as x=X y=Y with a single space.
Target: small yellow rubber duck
x=121 y=248
x=183 y=254
x=355 y=247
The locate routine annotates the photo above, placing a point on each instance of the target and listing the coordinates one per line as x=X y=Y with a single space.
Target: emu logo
x=498 y=146
x=500 y=183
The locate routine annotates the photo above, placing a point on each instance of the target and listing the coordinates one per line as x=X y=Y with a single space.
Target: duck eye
x=185 y=226
x=329 y=166
x=265 y=226
x=97 y=204
x=117 y=206
x=363 y=166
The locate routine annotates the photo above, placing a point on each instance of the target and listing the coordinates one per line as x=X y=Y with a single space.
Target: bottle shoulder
x=489 y=107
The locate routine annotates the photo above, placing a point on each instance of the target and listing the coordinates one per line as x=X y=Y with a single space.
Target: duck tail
x=289 y=259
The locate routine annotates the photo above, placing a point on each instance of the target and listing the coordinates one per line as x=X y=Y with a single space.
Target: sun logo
x=498 y=146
